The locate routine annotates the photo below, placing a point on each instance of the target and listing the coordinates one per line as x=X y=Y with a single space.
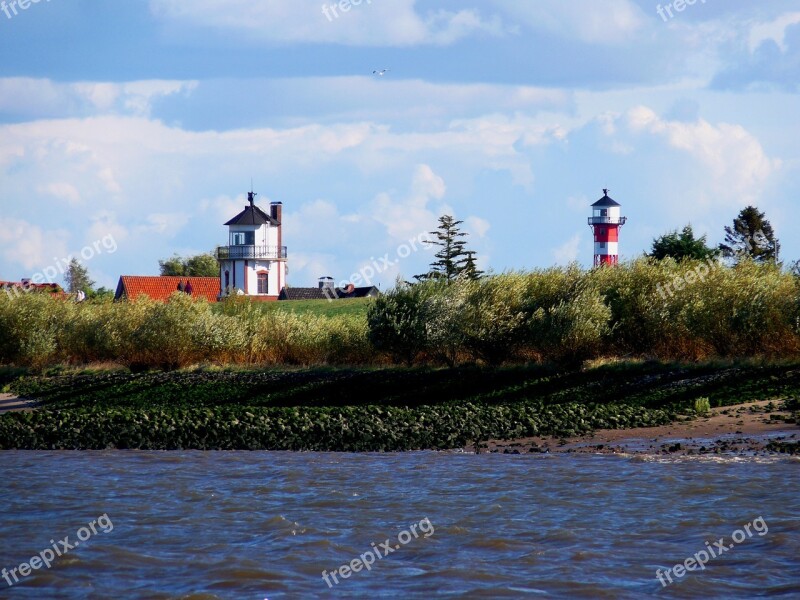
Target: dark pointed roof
x=606 y=200
x=317 y=293
x=252 y=215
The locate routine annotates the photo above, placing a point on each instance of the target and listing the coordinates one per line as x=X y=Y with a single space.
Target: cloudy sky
x=146 y=120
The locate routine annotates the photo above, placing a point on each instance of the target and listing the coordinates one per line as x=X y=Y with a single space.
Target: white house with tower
x=253 y=263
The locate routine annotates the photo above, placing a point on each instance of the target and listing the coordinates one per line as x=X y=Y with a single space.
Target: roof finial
x=605 y=191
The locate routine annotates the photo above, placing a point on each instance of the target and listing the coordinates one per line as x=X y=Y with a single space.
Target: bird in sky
x=380 y=73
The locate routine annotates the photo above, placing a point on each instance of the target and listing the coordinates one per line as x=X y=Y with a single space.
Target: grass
x=326 y=308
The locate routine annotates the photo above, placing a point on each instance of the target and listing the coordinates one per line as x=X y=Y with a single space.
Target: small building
x=161 y=287
x=253 y=263
x=326 y=290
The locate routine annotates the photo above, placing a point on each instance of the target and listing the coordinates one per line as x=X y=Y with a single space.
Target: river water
x=267 y=524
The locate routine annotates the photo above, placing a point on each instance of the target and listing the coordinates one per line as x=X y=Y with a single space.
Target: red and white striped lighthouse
x=606 y=221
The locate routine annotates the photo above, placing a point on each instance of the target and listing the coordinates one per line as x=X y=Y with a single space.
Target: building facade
x=253 y=263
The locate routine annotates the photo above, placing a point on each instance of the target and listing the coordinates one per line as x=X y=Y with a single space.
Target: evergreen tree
x=453 y=257
x=471 y=270
x=751 y=236
x=680 y=245
x=76 y=278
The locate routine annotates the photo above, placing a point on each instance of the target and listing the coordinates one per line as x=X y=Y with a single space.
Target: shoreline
x=12 y=403
x=736 y=429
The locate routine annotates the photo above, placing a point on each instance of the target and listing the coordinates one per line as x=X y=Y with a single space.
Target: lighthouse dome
x=606 y=200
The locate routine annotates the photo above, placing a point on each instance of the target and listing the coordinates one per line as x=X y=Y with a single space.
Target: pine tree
x=751 y=236
x=76 y=278
x=471 y=270
x=682 y=245
x=452 y=257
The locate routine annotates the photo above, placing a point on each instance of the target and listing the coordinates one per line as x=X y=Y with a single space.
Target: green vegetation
x=702 y=406
x=682 y=245
x=200 y=265
x=751 y=237
x=367 y=409
x=354 y=307
x=665 y=310
x=453 y=260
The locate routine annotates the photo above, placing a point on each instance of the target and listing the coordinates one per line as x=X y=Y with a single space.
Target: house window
x=227 y=279
x=243 y=238
x=603 y=212
x=263 y=283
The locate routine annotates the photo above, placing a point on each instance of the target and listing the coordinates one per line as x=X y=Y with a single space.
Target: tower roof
x=252 y=215
x=606 y=200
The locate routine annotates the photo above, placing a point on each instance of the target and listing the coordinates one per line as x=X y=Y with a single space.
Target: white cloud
x=611 y=22
x=735 y=159
x=373 y=23
x=28 y=247
x=40 y=98
x=568 y=251
x=62 y=191
x=773 y=30
x=165 y=223
x=476 y=226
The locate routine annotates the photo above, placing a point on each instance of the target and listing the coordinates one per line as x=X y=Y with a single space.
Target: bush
x=702 y=406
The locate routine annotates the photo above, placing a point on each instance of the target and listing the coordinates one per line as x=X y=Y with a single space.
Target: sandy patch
x=745 y=427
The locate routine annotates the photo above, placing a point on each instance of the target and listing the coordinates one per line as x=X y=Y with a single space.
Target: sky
x=131 y=131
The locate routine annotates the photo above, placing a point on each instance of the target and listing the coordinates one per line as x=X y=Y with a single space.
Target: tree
x=452 y=257
x=471 y=270
x=76 y=278
x=680 y=245
x=751 y=236
x=397 y=320
x=201 y=265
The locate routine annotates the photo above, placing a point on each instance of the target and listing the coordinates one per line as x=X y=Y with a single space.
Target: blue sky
x=145 y=120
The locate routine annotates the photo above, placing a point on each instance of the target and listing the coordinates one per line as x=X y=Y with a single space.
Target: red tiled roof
x=161 y=287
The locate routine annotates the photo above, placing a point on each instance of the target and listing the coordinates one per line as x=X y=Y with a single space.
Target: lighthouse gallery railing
x=607 y=220
x=229 y=252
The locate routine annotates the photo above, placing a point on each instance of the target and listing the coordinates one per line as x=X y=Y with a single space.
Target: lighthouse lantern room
x=605 y=222
x=253 y=263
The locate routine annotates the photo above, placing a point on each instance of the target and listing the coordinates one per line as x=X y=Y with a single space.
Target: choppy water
x=265 y=525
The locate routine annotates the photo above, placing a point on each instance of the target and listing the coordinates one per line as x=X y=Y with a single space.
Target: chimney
x=276 y=211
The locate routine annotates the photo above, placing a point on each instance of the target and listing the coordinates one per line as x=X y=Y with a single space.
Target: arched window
x=263 y=282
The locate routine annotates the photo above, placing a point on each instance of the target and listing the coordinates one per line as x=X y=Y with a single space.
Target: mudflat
x=747 y=427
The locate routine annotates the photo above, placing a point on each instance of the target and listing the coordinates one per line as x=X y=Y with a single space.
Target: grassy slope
x=369 y=409
x=327 y=308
